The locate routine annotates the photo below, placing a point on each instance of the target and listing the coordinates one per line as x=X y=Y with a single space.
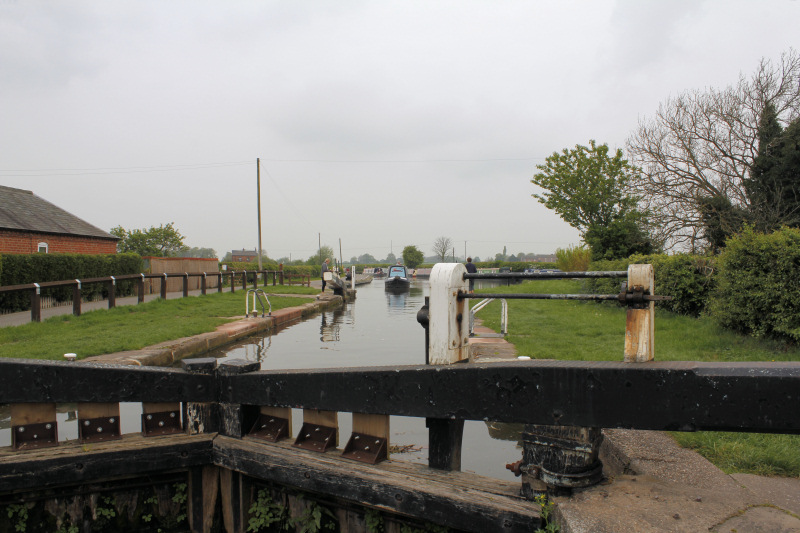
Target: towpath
x=654 y=485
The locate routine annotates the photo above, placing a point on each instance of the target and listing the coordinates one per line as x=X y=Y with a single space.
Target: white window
x=43 y=247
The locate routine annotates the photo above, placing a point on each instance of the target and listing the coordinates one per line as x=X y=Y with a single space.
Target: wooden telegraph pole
x=258 y=195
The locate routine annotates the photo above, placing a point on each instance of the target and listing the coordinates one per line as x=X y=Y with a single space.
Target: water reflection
x=400 y=299
x=329 y=329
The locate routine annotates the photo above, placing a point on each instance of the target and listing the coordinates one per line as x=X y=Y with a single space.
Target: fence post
x=36 y=303
x=219 y=281
x=164 y=287
x=448 y=343
x=640 y=319
x=112 y=293
x=76 y=298
x=203 y=284
x=140 y=296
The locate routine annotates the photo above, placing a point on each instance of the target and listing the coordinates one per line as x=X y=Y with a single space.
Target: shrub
x=689 y=279
x=758 y=284
x=573 y=259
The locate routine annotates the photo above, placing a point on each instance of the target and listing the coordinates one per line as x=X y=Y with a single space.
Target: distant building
x=244 y=256
x=541 y=258
x=29 y=224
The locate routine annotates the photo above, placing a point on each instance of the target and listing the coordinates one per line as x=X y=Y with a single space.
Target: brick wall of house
x=18 y=242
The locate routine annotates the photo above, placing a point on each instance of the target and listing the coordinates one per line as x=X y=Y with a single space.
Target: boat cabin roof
x=397 y=271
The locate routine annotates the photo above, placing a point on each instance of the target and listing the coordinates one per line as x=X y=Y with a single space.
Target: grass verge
x=589 y=331
x=132 y=327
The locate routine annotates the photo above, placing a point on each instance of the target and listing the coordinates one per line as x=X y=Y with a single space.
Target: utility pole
x=319 y=242
x=258 y=195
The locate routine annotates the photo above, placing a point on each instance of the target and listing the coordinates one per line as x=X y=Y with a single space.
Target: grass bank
x=132 y=327
x=552 y=329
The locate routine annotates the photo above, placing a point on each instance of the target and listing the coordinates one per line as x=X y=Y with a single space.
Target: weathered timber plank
x=72 y=462
x=30 y=380
x=455 y=499
x=752 y=396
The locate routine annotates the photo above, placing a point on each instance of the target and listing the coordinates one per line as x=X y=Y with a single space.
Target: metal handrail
x=503 y=317
x=257 y=294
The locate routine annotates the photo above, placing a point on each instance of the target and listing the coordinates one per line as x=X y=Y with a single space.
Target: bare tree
x=441 y=246
x=702 y=144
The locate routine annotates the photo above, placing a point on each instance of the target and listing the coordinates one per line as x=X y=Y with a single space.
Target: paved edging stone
x=169 y=352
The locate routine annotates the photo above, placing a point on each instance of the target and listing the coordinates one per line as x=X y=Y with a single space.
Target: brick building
x=29 y=224
x=244 y=256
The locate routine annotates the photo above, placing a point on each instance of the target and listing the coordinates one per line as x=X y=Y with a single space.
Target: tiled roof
x=24 y=211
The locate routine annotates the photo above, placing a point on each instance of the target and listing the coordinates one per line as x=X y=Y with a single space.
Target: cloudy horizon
x=383 y=124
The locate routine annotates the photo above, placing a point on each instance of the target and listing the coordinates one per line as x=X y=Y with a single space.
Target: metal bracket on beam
x=366 y=449
x=30 y=436
x=98 y=429
x=162 y=423
x=316 y=438
x=270 y=428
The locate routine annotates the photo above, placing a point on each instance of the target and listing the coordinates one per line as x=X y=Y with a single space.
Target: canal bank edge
x=169 y=352
x=654 y=485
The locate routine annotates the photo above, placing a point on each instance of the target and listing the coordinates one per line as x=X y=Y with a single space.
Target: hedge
x=758 y=284
x=18 y=269
x=689 y=279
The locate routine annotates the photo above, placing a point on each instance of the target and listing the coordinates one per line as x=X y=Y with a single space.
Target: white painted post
x=449 y=317
x=640 y=323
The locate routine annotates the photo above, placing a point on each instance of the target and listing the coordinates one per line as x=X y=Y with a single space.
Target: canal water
x=379 y=328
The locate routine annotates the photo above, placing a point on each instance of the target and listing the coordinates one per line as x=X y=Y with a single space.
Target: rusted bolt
x=515 y=468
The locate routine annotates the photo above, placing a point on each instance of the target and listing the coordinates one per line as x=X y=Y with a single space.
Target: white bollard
x=448 y=327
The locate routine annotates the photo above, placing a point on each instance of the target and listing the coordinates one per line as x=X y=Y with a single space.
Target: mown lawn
x=132 y=327
x=552 y=329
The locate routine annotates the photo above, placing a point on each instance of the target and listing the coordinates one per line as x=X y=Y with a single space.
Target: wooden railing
x=221 y=405
x=243 y=277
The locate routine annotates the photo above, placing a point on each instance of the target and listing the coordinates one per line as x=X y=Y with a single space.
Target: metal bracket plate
x=271 y=428
x=162 y=423
x=98 y=429
x=316 y=438
x=29 y=436
x=365 y=448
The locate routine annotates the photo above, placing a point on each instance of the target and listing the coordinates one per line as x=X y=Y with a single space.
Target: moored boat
x=397 y=278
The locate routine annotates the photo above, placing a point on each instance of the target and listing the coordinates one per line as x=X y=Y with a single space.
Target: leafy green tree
x=391 y=258
x=412 y=257
x=586 y=186
x=620 y=239
x=325 y=252
x=773 y=187
x=720 y=220
x=367 y=259
x=161 y=241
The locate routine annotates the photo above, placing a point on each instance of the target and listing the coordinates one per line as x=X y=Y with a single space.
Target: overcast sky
x=380 y=123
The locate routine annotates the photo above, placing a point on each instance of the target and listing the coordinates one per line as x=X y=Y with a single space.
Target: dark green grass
x=552 y=329
x=132 y=327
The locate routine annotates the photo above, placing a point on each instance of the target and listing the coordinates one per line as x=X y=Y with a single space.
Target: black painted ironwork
x=549 y=275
